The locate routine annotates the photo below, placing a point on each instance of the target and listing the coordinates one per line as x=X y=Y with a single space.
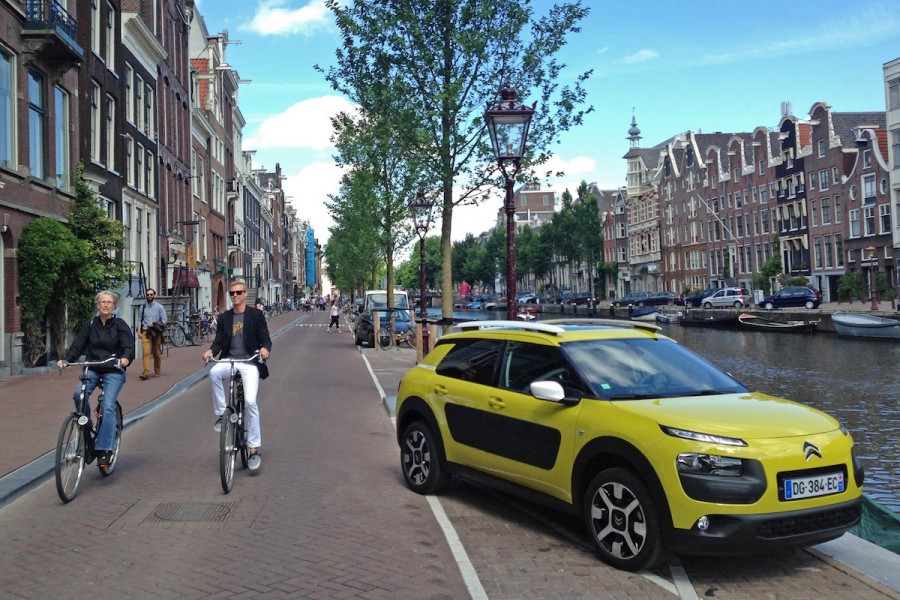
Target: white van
x=378 y=299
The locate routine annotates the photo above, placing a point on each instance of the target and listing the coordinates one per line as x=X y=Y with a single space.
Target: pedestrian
x=242 y=332
x=153 y=322
x=335 y=315
x=104 y=336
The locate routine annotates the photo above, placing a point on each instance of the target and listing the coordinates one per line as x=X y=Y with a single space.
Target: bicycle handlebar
x=87 y=364
x=255 y=357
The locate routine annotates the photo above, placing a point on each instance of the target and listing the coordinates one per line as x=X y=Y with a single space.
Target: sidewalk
x=35 y=405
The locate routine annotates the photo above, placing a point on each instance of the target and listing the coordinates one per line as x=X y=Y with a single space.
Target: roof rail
x=543 y=327
x=606 y=322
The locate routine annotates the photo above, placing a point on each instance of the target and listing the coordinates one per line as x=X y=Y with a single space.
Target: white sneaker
x=254 y=461
x=218 y=425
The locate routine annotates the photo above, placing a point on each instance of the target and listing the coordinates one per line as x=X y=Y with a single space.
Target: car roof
x=555 y=330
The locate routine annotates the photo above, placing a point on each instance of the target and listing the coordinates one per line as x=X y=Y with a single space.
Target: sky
x=705 y=66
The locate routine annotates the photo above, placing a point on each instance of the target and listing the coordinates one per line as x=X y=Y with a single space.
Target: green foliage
x=850 y=286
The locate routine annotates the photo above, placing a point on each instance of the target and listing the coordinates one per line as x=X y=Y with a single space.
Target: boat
x=642 y=313
x=762 y=324
x=853 y=324
x=710 y=318
x=668 y=316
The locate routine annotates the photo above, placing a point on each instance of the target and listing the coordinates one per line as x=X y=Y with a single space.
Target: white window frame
x=61 y=137
x=8 y=109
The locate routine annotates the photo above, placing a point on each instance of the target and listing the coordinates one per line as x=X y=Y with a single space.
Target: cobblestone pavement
x=327 y=515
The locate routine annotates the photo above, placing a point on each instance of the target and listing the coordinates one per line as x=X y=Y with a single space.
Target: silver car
x=726 y=297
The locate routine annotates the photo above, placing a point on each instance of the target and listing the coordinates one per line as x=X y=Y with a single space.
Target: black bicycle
x=233 y=435
x=75 y=446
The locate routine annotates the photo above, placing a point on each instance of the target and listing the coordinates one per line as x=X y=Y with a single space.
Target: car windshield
x=377 y=301
x=640 y=368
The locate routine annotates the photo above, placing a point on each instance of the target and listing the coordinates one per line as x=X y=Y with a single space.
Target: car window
x=471 y=361
x=525 y=363
x=646 y=368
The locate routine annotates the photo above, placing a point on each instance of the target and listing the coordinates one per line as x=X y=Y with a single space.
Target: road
x=328 y=516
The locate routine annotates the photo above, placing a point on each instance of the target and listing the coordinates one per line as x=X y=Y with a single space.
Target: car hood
x=746 y=416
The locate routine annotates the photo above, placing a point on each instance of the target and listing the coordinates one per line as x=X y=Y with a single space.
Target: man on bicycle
x=241 y=332
x=103 y=337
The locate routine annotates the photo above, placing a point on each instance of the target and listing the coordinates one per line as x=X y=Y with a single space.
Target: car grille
x=809 y=523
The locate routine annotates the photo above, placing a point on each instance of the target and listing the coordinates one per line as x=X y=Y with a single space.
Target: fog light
x=703 y=523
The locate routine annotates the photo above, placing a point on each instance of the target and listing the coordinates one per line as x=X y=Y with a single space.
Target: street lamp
x=508 y=122
x=421 y=212
x=870 y=258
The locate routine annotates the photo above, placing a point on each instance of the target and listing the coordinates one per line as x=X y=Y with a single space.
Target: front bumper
x=746 y=534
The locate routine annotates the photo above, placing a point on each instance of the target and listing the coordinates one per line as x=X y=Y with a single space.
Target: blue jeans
x=112 y=383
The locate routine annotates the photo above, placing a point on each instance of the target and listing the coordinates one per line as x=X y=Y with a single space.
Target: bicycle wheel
x=385 y=338
x=176 y=335
x=69 y=458
x=227 y=448
x=410 y=338
x=241 y=430
x=195 y=336
x=108 y=469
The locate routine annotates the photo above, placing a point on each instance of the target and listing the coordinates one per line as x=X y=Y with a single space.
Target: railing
x=52 y=14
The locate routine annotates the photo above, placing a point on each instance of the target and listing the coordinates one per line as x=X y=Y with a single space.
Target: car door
x=461 y=387
x=532 y=441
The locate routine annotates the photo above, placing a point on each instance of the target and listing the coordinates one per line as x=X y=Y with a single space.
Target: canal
x=856 y=381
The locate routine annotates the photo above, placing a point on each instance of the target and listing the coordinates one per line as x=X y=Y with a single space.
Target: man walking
x=153 y=322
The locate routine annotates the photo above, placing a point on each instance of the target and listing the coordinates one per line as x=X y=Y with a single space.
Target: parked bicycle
x=233 y=435
x=75 y=445
x=180 y=333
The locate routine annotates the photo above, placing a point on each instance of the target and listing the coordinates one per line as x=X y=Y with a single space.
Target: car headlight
x=708 y=464
x=702 y=437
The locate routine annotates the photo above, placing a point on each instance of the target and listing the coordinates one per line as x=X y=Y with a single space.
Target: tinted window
x=473 y=361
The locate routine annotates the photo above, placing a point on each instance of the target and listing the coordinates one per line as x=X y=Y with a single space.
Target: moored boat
x=854 y=324
x=668 y=316
x=709 y=318
x=643 y=313
x=762 y=324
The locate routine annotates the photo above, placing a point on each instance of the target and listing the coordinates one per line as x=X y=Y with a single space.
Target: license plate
x=811 y=487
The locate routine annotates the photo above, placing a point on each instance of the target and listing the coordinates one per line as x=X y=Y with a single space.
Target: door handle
x=496 y=402
x=440 y=390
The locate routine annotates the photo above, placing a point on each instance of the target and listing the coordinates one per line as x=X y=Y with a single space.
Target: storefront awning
x=184 y=278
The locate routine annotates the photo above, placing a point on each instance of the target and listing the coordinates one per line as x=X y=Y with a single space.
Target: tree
x=448 y=58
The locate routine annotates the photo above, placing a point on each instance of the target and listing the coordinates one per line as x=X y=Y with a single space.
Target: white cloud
x=273 y=18
x=309 y=189
x=640 y=56
x=306 y=124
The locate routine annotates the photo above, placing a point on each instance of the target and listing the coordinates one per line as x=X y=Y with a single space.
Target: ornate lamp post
x=421 y=212
x=870 y=258
x=508 y=122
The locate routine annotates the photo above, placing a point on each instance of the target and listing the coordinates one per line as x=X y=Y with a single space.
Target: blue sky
x=694 y=65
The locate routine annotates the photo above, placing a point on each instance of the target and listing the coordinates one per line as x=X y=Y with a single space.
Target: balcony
x=234 y=242
x=49 y=32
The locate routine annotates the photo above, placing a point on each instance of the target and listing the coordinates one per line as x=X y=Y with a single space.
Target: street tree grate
x=191 y=512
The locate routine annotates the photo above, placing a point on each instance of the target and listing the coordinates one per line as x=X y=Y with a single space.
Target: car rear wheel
x=769 y=306
x=622 y=521
x=421 y=459
x=810 y=304
x=738 y=304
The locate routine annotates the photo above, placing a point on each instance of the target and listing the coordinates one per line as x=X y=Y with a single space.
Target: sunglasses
x=236 y=292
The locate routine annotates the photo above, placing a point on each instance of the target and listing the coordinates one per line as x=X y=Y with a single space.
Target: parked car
x=661 y=299
x=793 y=296
x=364 y=332
x=576 y=298
x=526 y=298
x=650 y=444
x=633 y=298
x=729 y=296
x=696 y=300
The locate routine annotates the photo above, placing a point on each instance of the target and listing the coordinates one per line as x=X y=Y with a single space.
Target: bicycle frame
x=232 y=438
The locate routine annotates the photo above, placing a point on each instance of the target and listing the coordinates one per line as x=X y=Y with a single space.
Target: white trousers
x=250 y=377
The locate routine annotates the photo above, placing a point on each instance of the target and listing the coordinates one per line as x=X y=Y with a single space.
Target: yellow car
x=653 y=446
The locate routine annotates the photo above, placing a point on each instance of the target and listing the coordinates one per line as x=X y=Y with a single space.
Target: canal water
x=856 y=381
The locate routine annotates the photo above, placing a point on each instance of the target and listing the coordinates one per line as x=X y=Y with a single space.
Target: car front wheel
x=707 y=305
x=421 y=459
x=621 y=520
x=769 y=306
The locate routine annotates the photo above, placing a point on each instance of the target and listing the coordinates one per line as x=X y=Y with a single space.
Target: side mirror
x=548 y=390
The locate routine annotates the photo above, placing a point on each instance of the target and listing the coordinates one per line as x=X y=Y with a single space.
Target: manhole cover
x=191 y=512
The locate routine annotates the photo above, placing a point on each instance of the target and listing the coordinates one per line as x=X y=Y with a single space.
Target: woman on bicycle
x=241 y=332
x=104 y=336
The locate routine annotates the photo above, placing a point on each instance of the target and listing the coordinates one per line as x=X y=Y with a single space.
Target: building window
x=821 y=145
x=546 y=200
x=7 y=104
x=884 y=216
x=867 y=158
x=110 y=54
x=110 y=133
x=894 y=94
x=95 y=27
x=523 y=201
x=829 y=258
x=762 y=167
x=835 y=175
x=838 y=249
x=869 y=215
x=837 y=209
x=61 y=137
x=148 y=112
x=895 y=146
x=823 y=179
x=812 y=181
x=95 y=122
x=138 y=102
x=139 y=167
x=854 y=222
x=36 y=125
x=869 y=188
x=129 y=160
x=150 y=165
x=129 y=93
x=826 y=211
x=815 y=213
